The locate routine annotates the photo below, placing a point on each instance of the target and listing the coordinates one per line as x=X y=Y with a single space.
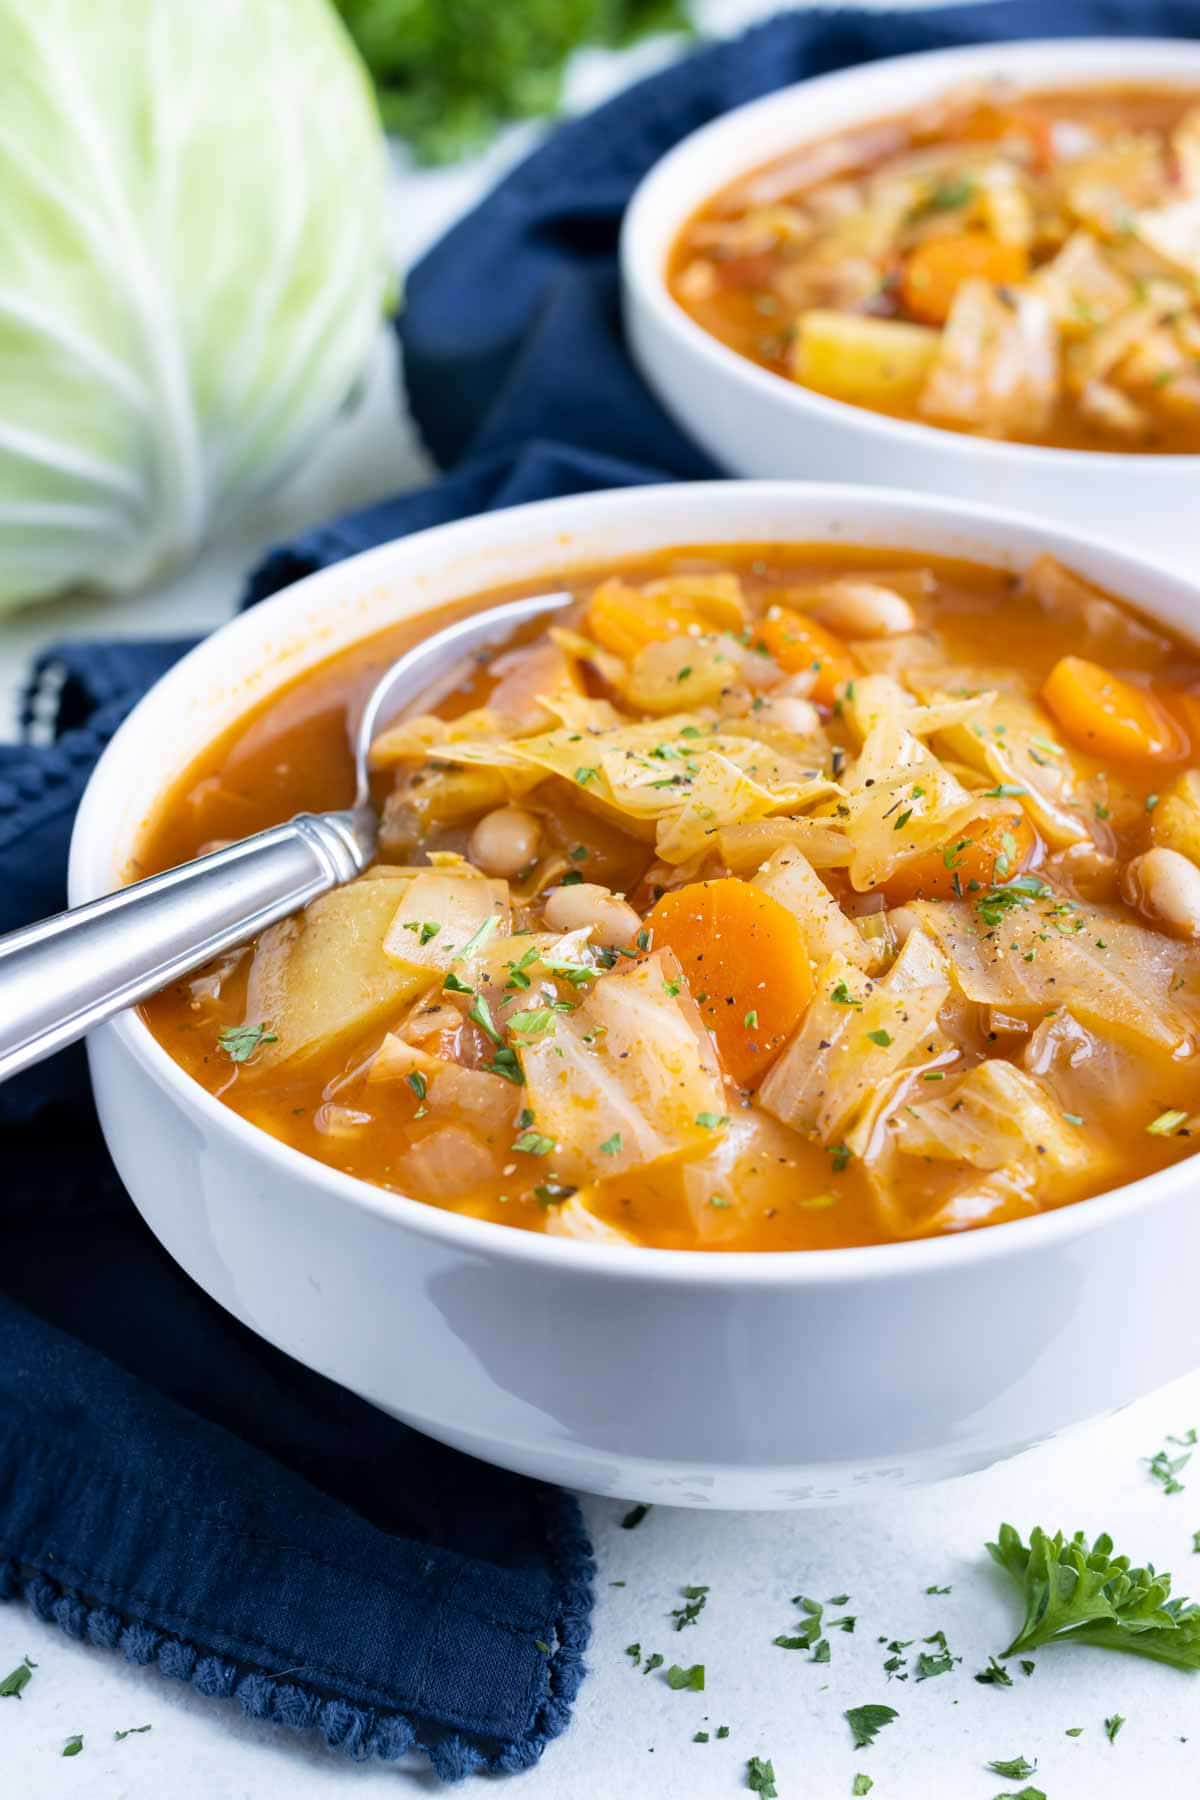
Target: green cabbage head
x=192 y=267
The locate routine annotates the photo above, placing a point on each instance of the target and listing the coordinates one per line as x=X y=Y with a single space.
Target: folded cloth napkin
x=170 y=1486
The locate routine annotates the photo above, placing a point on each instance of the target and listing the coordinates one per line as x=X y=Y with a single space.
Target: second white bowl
x=753 y=422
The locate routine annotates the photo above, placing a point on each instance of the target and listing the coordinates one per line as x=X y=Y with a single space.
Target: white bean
x=614 y=922
x=1166 y=887
x=863 y=609
x=505 y=841
x=797 y=716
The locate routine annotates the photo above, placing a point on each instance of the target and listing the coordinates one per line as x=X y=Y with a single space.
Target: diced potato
x=441 y=912
x=1175 y=821
x=869 y=362
x=323 y=977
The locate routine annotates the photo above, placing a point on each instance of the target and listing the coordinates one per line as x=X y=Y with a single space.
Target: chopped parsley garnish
x=939 y=1661
x=528 y=1027
x=1005 y=896
x=1014 y=1768
x=505 y=1064
x=17 y=1680
x=696 y=1599
x=1006 y=790
x=553 y=1193
x=481 y=1014
x=517 y=978
x=882 y=1038
x=634 y=1517
x=760 y=1778
x=583 y=775
x=452 y=985
x=903 y=819
x=840 y=994
x=611 y=1146
x=424 y=929
x=1080 y=1593
x=73 y=1745
x=710 y=1121
x=950 y=193
x=1111 y=1727
x=418 y=1084
x=477 y=939
x=239 y=1042
x=839 y=1157
x=867 y=1721
x=751 y=1020
x=691 y=1679
x=533 y=1143
x=1166 y=1469
x=578 y=853
x=1166 y=1123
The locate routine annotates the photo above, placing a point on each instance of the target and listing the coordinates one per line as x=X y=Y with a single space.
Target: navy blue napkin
x=170 y=1486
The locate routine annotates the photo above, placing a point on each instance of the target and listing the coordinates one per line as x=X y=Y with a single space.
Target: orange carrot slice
x=1109 y=717
x=984 y=852
x=745 y=959
x=798 y=642
x=936 y=269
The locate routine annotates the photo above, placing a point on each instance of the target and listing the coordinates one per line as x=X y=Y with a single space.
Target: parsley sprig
x=1084 y=1594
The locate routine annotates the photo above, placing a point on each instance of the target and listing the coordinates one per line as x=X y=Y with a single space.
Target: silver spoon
x=61 y=977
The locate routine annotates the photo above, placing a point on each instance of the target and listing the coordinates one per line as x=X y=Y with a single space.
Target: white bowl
x=754 y=422
x=761 y=1380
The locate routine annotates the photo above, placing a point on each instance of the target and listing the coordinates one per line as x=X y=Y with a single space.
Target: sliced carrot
x=798 y=642
x=987 y=851
x=745 y=960
x=1109 y=717
x=936 y=269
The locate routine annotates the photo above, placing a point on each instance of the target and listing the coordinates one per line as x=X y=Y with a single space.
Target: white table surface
x=632 y=1736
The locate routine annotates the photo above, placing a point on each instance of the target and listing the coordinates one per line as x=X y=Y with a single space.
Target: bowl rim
x=645 y=244
x=770 y=1269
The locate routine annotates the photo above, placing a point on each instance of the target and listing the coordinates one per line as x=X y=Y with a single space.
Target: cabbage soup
x=780 y=898
x=1018 y=266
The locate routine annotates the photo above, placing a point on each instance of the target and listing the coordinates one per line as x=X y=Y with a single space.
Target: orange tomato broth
x=795 y=1191
x=748 y=268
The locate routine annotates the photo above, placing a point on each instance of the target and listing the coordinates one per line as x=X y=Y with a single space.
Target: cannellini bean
x=863 y=609
x=614 y=922
x=505 y=841
x=798 y=716
x=1166 y=887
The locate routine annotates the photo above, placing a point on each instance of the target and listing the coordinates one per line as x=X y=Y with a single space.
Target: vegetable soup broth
x=783 y=898
x=1023 y=266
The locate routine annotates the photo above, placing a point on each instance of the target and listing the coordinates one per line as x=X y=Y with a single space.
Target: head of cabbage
x=192 y=268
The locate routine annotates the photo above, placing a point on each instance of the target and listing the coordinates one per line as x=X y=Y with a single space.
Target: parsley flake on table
x=760 y=1778
x=862 y=1785
x=1166 y=1469
x=1080 y=1593
x=867 y=1721
x=936 y=1662
x=699 y=1737
x=1014 y=1767
x=691 y=1679
x=696 y=1599
x=653 y=1662
x=1112 y=1726
x=130 y=1731
x=634 y=1517
x=239 y=1042
x=74 y=1744
x=995 y=1675
x=937 y=1590
x=1025 y=1793
x=17 y=1680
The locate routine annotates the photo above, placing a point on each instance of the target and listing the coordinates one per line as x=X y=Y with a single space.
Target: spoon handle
x=63 y=975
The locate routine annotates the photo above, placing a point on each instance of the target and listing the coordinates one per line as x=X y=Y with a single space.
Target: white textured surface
x=632 y=1735
x=631 y=1738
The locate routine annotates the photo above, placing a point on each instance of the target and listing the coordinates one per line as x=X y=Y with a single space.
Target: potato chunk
x=869 y=362
x=323 y=977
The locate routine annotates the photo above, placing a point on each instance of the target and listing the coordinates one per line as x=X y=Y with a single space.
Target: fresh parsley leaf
x=17 y=1680
x=584 y=775
x=634 y=1652
x=652 y=1663
x=417 y=1083
x=692 y=1679
x=867 y=1721
x=840 y=994
x=1080 y=1593
x=634 y=1517
x=821 y=1651
x=751 y=1020
x=1014 y=1767
x=937 y=1590
x=239 y=1042
x=73 y=1745
x=425 y=929
x=881 y=1037
x=452 y=985
x=1166 y=1469
x=1112 y=1726
x=478 y=938
x=760 y=1778
x=1026 y=1793
x=481 y=1013
x=699 y=1737
x=722 y=1731
x=862 y=1785
x=533 y=1143
x=696 y=1600
x=995 y=1675
x=1073 y=1731
x=529 y=1027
